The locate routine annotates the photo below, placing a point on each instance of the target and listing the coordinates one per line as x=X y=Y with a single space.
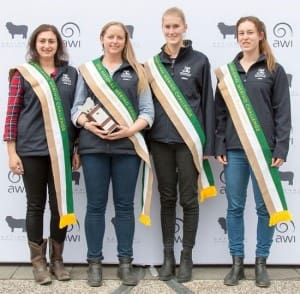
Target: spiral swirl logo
x=282 y=30
x=285 y=227
x=13 y=178
x=70 y=30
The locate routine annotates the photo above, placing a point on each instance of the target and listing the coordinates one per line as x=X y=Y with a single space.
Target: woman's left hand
x=76 y=163
x=121 y=132
x=277 y=162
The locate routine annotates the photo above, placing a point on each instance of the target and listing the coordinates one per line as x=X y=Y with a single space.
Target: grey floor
x=17 y=278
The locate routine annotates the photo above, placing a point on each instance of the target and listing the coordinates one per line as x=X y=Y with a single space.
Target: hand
x=122 y=132
x=222 y=159
x=76 y=162
x=15 y=164
x=277 y=162
x=95 y=128
x=205 y=157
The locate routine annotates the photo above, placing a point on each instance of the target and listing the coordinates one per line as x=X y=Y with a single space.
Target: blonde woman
x=112 y=156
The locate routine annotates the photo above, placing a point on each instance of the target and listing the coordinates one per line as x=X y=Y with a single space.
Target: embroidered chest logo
x=66 y=80
x=185 y=72
x=126 y=75
x=260 y=74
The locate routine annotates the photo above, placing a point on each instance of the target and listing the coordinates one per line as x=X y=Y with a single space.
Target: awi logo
x=283 y=33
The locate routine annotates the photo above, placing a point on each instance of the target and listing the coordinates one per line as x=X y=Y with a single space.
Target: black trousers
x=38 y=179
x=174 y=166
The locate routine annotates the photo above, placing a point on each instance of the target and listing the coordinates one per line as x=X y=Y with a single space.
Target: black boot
x=236 y=273
x=261 y=275
x=94 y=273
x=167 y=270
x=186 y=266
x=125 y=271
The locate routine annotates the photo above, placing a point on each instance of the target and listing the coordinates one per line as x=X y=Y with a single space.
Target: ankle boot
x=56 y=266
x=186 y=266
x=261 y=275
x=39 y=263
x=125 y=271
x=236 y=273
x=94 y=272
x=167 y=270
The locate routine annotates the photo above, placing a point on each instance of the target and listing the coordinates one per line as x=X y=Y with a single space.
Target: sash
x=57 y=138
x=184 y=119
x=120 y=107
x=254 y=142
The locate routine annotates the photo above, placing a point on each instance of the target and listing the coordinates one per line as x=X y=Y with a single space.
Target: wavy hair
x=61 y=55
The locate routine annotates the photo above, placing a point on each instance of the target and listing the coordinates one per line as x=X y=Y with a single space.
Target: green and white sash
x=253 y=141
x=57 y=137
x=121 y=109
x=184 y=119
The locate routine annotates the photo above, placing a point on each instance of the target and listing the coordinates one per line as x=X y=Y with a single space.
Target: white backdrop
x=80 y=24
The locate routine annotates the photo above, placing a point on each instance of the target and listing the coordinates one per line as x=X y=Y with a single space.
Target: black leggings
x=37 y=178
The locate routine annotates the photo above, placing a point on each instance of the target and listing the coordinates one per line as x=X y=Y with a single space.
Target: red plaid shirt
x=14 y=106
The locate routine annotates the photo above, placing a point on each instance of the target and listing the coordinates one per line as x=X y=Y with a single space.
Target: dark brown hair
x=61 y=55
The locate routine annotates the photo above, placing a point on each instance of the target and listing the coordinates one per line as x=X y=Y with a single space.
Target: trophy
x=98 y=114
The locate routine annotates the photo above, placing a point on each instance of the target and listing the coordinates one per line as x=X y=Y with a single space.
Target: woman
x=117 y=83
x=252 y=139
x=181 y=137
x=35 y=151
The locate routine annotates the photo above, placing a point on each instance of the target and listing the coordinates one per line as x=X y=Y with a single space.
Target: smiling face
x=113 y=40
x=173 y=27
x=249 y=37
x=46 y=45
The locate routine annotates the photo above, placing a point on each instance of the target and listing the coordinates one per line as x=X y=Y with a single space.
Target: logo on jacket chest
x=126 y=75
x=185 y=73
x=66 y=80
x=260 y=74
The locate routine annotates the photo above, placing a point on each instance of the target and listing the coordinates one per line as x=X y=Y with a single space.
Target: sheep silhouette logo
x=76 y=177
x=130 y=29
x=15 y=223
x=287 y=176
x=17 y=30
x=222 y=223
x=226 y=29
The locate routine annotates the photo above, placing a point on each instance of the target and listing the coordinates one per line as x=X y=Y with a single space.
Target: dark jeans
x=174 y=164
x=37 y=178
x=123 y=171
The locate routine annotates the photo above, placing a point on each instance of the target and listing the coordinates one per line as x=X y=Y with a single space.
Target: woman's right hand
x=95 y=128
x=222 y=159
x=15 y=164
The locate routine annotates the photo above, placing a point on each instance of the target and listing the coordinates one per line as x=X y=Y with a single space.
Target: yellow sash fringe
x=67 y=219
x=281 y=216
x=208 y=192
x=145 y=219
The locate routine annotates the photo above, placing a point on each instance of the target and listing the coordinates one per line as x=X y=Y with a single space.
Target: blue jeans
x=237 y=173
x=123 y=171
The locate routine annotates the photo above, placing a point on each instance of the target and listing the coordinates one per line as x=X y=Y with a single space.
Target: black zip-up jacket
x=127 y=80
x=191 y=73
x=31 y=139
x=270 y=97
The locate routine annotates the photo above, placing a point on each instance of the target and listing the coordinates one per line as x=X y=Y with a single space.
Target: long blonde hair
x=129 y=55
x=264 y=47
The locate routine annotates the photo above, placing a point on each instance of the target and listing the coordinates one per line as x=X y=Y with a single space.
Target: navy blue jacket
x=31 y=140
x=270 y=97
x=191 y=73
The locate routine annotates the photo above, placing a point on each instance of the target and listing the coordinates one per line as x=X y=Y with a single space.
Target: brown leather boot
x=39 y=263
x=56 y=266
